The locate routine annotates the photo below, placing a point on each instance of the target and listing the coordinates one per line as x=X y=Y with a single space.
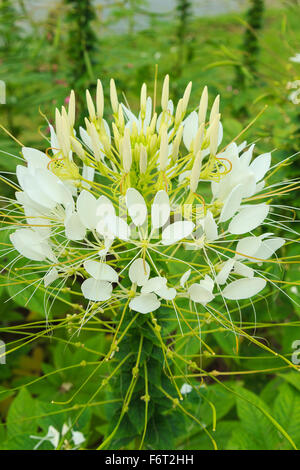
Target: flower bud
x=121 y=121
x=176 y=144
x=186 y=97
x=71 y=109
x=153 y=123
x=199 y=138
x=215 y=108
x=214 y=135
x=90 y=105
x=143 y=159
x=126 y=151
x=97 y=148
x=163 y=151
x=165 y=94
x=203 y=106
x=143 y=100
x=195 y=173
x=78 y=149
x=114 y=97
x=179 y=112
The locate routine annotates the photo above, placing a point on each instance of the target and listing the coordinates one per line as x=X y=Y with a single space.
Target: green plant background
x=40 y=62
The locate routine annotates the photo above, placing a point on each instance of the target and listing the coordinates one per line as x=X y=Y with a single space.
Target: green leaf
x=293 y=378
x=261 y=432
x=287 y=412
x=21 y=422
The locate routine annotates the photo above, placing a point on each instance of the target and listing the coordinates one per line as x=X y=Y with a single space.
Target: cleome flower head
x=145 y=209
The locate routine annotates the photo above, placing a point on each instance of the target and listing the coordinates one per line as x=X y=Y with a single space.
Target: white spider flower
x=294 y=96
x=117 y=203
x=186 y=389
x=54 y=436
x=295 y=58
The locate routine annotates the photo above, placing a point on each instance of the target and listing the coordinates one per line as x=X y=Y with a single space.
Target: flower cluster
x=146 y=209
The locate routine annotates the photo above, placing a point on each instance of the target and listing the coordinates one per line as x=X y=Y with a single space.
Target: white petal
x=139 y=271
x=95 y=290
x=200 y=294
x=210 y=227
x=74 y=229
x=54 y=187
x=243 y=270
x=144 y=303
x=77 y=437
x=248 y=246
x=50 y=277
x=30 y=244
x=160 y=210
x=35 y=158
x=105 y=212
x=166 y=293
x=101 y=271
x=232 y=203
x=87 y=208
x=245 y=158
x=30 y=184
x=222 y=276
x=136 y=206
x=244 y=288
x=177 y=231
x=190 y=129
x=154 y=284
x=207 y=283
x=248 y=218
x=184 y=278
x=53 y=436
x=261 y=165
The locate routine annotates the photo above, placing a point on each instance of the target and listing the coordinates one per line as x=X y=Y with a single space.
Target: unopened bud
x=163 y=151
x=121 y=121
x=179 y=112
x=97 y=148
x=71 y=109
x=126 y=151
x=90 y=105
x=114 y=97
x=186 y=97
x=116 y=135
x=65 y=134
x=215 y=108
x=153 y=123
x=203 y=106
x=143 y=159
x=195 y=173
x=143 y=100
x=165 y=94
x=99 y=99
x=77 y=148
x=199 y=138
x=214 y=135
x=176 y=144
